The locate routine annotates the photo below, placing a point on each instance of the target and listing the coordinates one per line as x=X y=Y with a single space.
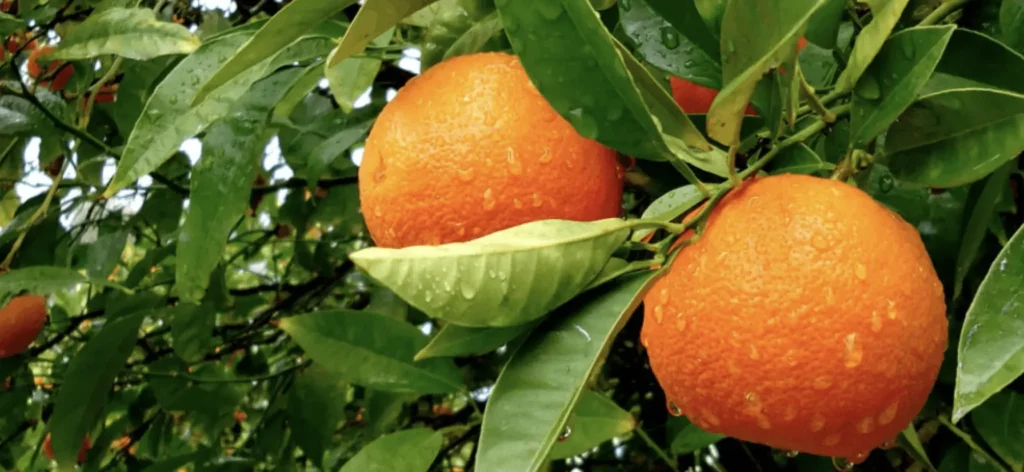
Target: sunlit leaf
x=455 y=341
x=134 y=33
x=664 y=47
x=44 y=280
x=348 y=79
x=374 y=17
x=885 y=15
x=412 y=450
x=669 y=206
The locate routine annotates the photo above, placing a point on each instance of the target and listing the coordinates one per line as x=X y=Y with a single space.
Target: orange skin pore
x=471 y=147
x=21 y=321
x=807 y=317
x=696 y=99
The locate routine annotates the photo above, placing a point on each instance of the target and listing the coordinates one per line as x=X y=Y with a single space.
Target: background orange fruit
x=35 y=70
x=471 y=147
x=807 y=317
x=83 y=452
x=21 y=321
x=697 y=99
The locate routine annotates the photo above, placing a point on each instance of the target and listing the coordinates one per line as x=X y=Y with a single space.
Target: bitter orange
x=471 y=147
x=806 y=317
x=20 y=323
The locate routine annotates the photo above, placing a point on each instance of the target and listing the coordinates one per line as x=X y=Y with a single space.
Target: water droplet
x=822 y=383
x=817 y=423
x=585 y=125
x=378 y=212
x=752 y=402
x=673 y=409
x=709 y=417
x=790 y=413
x=502 y=276
x=764 y=422
x=792 y=454
x=689 y=63
x=429 y=296
x=888 y=444
x=893 y=313
x=876 y=321
x=889 y=413
x=511 y=24
x=465 y=175
x=489 y=201
x=514 y=166
x=545 y=157
x=614 y=111
x=681 y=324
x=840 y=464
x=730 y=46
x=886 y=183
x=537 y=200
x=832 y=439
x=830 y=296
x=868 y=88
x=866 y=425
x=669 y=37
x=173 y=99
x=663 y=295
x=550 y=10
x=861 y=271
x=566 y=432
x=819 y=242
x=492 y=274
x=517 y=203
x=659 y=313
x=753 y=352
x=854 y=353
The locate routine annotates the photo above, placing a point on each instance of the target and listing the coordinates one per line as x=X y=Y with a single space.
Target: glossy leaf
x=374 y=18
x=1000 y=421
x=316 y=404
x=798 y=159
x=669 y=206
x=1011 y=23
x=910 y=442
x=596 y=419
x=87 y=382
x=892 y=82
x=412 y=450
x=503 y=279
x=545 y=378
x=377 y=351
x=756 y=37
x=885 y=15
x=348 y=79
x=664 y=47
x=284 y=28
x=684 y=16
x=221 y=184
x=457 y=341
x=688 y=438
x=977 y=225
x=956 y=137
x=991 y=350
x=44 y=280
x=968 y=60
x=133 y=33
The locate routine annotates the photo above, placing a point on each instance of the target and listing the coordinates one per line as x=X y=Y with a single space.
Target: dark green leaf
x=104 y=254
x=892 y=81
x=192 y=330
x=967 y=64
x=798 y=159
x=685 y=17
x=456 y=341
x=372 y=351
x=977 y=226
x=885 y=15
x=666 y=48
x=9 y=24
x=1011 y=23
x=351 y=77
x=543 y=381
x=823 y=29
x=596 y=419
x=911 y=443
x=991 y=351
x=316 y=404
x=412 y=450
x=1000 y=421
x=87 y=382
x=503 y=279
x=325 y=154
x=960 y=458
x=134 y=33
x=687 y=438
x=956 y=137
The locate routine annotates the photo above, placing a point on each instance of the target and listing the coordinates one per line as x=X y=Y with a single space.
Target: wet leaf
x=457 y=341
x=898 y=73
x=669 y=206
x=416 y=449
x=545 y=378
x=503 y=279
x=991 y=350
x=684 y=16
x=595 y=420
x=968 y=60
x=977 y=225
x=664 y=47
x=886 y=13
x=377 y=351
x=133 y=33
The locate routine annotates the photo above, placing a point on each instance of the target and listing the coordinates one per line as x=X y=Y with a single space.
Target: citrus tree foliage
x=181 y=183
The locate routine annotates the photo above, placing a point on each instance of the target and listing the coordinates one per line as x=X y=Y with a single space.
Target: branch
x=73 y=325
x=299 y=183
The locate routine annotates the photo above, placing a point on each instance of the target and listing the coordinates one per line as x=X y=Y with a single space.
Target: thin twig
x=658 y=450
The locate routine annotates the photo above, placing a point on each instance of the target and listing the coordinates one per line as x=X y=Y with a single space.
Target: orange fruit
x=82 y=453
x=35 y=70
x=697 y=99
x=807 y=317
x=471 y=147
x=21 y=321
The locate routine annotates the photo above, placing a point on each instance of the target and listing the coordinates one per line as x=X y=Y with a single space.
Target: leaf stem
x=797 y=138
x=812 y=99
x=940 y=13
x=970 y=442
x=191 y=378
x=657 y=449
x=734 y=177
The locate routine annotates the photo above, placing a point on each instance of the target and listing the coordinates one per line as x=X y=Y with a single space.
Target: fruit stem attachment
x=970 y=442
x=797 y=138
x=657 y=449
x=734 y=177
x=812 y=99
x=940 y=13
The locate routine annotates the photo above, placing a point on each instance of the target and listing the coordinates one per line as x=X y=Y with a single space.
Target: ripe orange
x=806 y=317
x=35 y=70
x=82 y=453
x=470 y=148
x=697 y=99
x=21 y=321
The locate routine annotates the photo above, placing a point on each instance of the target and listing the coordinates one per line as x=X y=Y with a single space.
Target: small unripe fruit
x=21 y=321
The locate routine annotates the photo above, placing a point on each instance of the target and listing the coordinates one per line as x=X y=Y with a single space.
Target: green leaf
x=104 y=254
x=457 y=341
x=961 y=458
x=378 y=351
x=134 y=33
x=1011 y=23
x=756 y=38
x=669 y=206
x=977 y=225
x=324 y=155
x=596 y=419
x=545 y=378
x=503 y=279
x=991 y=350
x=10 y=24
x=374 y=18
x=87 y=382
x=892 y=82
x=476 y=37
x=44 y=280
x=1000 y=421
x=967 y=64
x=956 y=137
x=192 y=330
x=205 y=402
x=798 y=159
x=886 y=13
x=221 y=183
x=823 y=29
x=664 y=47
x=685 y=17
x=348 y=79
x=412 y=450
x=283 y=29
x=688 y=438
x=911 y=443
x=316 y=404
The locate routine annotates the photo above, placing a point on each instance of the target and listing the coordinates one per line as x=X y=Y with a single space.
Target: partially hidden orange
x=60 y=71
x=21 y=321
x=83 y=452
x=806 y=316
x=470 y=147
